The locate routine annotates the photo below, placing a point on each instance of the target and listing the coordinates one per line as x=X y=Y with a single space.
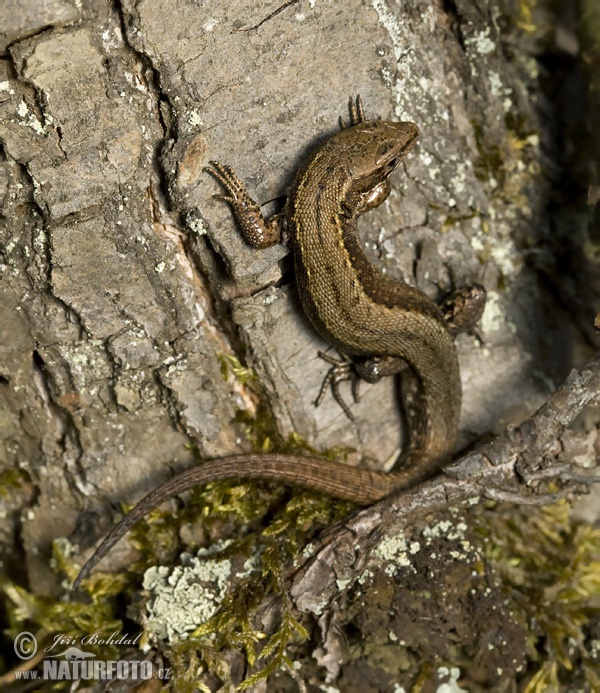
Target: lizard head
x=373 y=149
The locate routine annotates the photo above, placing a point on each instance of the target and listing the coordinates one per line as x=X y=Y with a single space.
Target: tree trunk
x=126 y=286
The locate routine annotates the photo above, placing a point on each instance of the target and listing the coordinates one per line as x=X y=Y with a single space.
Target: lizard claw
x=340 y=371
x=357 y=113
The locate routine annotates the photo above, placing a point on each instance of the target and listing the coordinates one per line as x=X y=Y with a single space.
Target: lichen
x=394 y=551
x=550 y=569
x=269 y=550
x=271 y=531
x=186 y=595
x=198 y=611
x=451 y=684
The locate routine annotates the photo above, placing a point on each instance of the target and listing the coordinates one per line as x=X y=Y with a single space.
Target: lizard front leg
x=257 y=231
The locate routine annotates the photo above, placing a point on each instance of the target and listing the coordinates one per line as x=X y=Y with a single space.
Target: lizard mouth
x=393 y=164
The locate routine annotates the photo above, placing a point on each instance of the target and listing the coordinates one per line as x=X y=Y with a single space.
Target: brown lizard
x=380 y=325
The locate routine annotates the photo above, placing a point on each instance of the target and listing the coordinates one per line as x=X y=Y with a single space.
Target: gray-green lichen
x=187 y=595
x=396 y=552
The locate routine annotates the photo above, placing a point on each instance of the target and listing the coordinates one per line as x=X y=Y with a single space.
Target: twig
x=502 y=469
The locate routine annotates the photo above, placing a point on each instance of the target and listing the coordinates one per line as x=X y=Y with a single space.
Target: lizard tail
x=361 y=486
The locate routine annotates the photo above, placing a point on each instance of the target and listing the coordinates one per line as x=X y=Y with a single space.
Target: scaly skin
x=385 y=324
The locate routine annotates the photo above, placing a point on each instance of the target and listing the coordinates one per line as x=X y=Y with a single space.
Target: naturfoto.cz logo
x=72 y=663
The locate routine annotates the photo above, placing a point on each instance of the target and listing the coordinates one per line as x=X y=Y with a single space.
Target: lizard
x=380 y=325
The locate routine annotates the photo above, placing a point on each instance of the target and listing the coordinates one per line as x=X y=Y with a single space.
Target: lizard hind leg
x=341 y=370
x=355 y=369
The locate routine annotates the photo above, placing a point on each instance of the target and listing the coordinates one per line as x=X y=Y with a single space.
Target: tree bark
x=123 y=281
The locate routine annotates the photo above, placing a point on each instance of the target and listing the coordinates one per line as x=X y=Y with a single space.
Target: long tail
x=335 y=479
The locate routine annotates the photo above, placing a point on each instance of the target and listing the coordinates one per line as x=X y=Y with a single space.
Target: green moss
x=550 y=568
x=231 y=367
x=456 y=219
x=524 y=16
x=48 y=618
x=232 y=627
x=271 y=531
x=509 y=164
x=277 y=545
x=12 y=479
x=491 y=159
x=589 y=28
x=242 y=506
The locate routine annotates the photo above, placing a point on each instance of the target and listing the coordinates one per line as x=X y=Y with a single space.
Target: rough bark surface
x=122 y=279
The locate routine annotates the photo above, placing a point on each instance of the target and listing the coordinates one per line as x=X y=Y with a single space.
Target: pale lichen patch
x=481 y=42
x=445 y=529
x=194 y=119
x=365 y=577
x=494 y=314
x=186 y=596
x=29 y=118
x=197 y=226
x=394 y=550
x=450 y=686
